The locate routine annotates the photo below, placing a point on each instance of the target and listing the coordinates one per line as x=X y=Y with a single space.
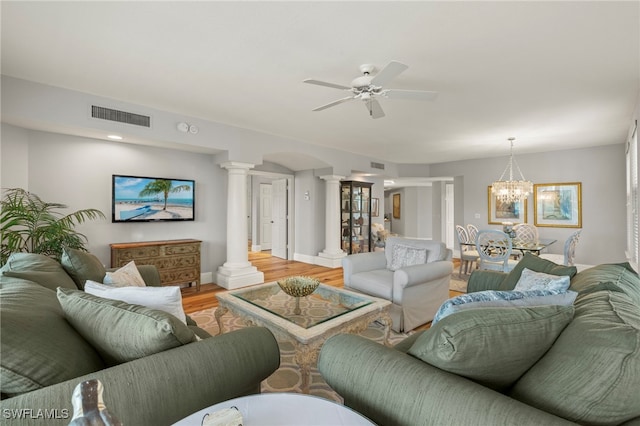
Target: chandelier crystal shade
x=511 y=191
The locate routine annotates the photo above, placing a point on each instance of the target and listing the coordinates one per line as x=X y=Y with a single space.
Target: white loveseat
x=417 y=291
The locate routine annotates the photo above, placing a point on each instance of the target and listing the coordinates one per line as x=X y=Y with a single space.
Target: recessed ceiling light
x=115 y=137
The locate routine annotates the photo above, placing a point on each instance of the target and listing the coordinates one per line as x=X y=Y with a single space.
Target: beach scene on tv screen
x=138 y=198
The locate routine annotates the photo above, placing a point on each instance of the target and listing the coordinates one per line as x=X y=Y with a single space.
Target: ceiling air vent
x=120 y=116
x=377 y=166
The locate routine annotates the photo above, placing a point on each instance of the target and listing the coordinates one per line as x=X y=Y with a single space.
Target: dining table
x=534 y=247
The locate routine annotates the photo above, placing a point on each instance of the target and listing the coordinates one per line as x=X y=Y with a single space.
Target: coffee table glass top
x=322 y=305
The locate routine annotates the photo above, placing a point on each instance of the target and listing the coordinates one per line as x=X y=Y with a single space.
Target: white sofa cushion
x=377 y=283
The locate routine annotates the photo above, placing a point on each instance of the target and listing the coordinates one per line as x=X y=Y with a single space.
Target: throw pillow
x=493 y=299
x=128 y=275
x=537 y=264
x=493 y=346
x=121 y=332
x=82 y=266
x=406 y=256
x=167 y=299
x=531 y=280
x=37 y=268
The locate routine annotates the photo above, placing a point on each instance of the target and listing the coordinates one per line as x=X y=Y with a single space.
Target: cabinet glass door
x=355 y=202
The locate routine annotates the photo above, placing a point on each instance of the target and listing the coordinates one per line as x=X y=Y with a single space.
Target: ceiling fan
x=368 y=87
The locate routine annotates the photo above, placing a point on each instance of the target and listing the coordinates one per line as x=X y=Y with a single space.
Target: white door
x=266 y=221
x=449 y=216
x=279 y=216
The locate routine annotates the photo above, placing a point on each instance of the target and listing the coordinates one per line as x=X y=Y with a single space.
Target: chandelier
x=511 y=191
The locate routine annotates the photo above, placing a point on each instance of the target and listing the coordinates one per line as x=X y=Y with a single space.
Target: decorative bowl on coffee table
x=298 y=287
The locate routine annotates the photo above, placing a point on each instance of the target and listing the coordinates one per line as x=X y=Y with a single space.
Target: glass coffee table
x=326 y=312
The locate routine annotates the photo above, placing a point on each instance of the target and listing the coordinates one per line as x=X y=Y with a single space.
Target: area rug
x=288 y=378
x=458 y=282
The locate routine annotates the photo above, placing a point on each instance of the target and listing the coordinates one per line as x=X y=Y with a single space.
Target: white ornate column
x=237 y=271
x=332 y=254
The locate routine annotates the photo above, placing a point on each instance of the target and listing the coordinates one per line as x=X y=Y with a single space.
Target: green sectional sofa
x=542 y=365
x=155 y=369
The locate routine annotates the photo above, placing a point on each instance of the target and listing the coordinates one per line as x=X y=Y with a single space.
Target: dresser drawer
x=181 y=249
x=127 y=255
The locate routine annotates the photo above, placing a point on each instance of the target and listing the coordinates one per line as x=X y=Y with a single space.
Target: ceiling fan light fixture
x=512 y=190
x=368 y=87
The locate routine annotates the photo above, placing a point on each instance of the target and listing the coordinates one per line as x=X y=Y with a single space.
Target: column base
x=232 y=278
x=330 y=260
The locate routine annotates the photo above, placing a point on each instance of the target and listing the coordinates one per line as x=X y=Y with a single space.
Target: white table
x=284 y=409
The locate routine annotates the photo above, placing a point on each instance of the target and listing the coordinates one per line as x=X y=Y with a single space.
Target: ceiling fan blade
x=416 y=95
x=374 y=108
x=334 y=103
x=388 y=73
x=324 y=83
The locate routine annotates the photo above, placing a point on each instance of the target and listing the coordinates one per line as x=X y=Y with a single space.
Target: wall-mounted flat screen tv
x=151 y=199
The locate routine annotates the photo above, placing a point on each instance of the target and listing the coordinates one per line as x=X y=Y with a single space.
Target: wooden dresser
x=178 y=261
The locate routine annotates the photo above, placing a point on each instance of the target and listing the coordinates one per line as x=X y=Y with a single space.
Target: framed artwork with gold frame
x=374 y=207
x=396 y=206
x=505 y=212
x=558 y=205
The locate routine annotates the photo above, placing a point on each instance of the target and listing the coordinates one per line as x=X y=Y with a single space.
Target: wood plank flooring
x=274 y=269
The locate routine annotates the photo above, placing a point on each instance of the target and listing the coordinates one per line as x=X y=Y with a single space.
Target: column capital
x=330 y=178
x=236 y=165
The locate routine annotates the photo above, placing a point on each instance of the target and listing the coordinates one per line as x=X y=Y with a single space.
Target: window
x=633 y=245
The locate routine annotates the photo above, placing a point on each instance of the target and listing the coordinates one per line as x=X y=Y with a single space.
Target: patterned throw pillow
x=531 y=280
x=493 y=299
x=128 y=275
x=406 y=256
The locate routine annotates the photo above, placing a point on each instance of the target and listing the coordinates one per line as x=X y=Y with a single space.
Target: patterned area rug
x=458 y=282
x=287 y=378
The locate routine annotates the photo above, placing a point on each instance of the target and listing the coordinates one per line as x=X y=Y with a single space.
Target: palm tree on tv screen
x=162 y=186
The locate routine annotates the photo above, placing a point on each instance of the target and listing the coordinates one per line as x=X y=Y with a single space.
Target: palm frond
x=29 y=224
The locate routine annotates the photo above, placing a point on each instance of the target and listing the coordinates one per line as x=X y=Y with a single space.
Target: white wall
x=601 y=170
x=309 y=215
x=77 y=172
x=14 y=147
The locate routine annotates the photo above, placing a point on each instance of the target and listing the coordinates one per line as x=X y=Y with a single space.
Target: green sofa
x=587 y=372
x=43 y=357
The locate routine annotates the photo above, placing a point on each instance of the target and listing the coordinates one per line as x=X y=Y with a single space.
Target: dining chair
x=526 y=235
x=526 y=232
x=472 y=230
x=569 y=256
x=467 y=254
x=494 y=248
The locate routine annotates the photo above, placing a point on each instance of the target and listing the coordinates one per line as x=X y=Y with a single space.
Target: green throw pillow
x=82 y=266
x=119 y=331
x=38 y=268
x=493 y=346
x=536 y=264
x=38 y=347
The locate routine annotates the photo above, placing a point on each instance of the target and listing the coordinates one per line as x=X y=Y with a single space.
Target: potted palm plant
x=29 y=224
